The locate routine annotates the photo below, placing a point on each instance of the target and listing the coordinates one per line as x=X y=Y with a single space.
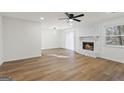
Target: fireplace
x=88 y=46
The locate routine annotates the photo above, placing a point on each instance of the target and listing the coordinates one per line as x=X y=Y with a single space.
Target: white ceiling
x=51 y=18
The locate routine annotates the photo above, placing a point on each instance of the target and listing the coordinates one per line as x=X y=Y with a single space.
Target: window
x=115 y=35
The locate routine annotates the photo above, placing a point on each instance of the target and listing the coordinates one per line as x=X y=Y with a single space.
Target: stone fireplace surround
x=90 y=52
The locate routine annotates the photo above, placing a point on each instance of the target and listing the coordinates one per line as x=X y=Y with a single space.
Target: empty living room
x=61 y=46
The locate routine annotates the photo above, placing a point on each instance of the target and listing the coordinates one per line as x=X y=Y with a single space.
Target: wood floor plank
x=62 y=64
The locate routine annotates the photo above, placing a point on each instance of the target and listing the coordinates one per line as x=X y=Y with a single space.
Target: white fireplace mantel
x=91 y=37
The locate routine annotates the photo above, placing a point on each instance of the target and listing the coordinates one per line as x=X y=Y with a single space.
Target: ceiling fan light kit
x=71 y=20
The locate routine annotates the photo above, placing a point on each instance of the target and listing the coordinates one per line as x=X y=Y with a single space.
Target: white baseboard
x=116 y=60
x=7 y=60
x=1 y=62
x=49 y=48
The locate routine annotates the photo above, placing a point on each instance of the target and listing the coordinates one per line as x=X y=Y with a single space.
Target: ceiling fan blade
x=62 y=18
x=77 y=20
x=67 y=14
x=78 y=16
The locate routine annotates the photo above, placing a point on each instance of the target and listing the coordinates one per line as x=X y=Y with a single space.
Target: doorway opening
x=70 y=40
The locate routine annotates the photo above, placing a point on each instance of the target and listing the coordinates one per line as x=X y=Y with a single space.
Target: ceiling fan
x=72 y=17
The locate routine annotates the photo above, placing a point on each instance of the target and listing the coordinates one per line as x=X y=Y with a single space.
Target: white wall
x=53 y=39
x=1 y=42
x=50 y=39
x=22 y=39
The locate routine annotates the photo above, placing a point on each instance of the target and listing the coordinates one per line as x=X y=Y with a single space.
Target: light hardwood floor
x=61 y=64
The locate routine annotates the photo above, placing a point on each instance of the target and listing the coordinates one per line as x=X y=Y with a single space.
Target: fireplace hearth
x=88 y=46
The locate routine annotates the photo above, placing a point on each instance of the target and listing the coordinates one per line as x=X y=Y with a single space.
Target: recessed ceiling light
x=41 y=18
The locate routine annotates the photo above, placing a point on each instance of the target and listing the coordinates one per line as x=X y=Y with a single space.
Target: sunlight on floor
x=59 y=56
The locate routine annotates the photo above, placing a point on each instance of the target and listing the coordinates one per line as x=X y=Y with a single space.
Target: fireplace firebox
x=88 y=46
